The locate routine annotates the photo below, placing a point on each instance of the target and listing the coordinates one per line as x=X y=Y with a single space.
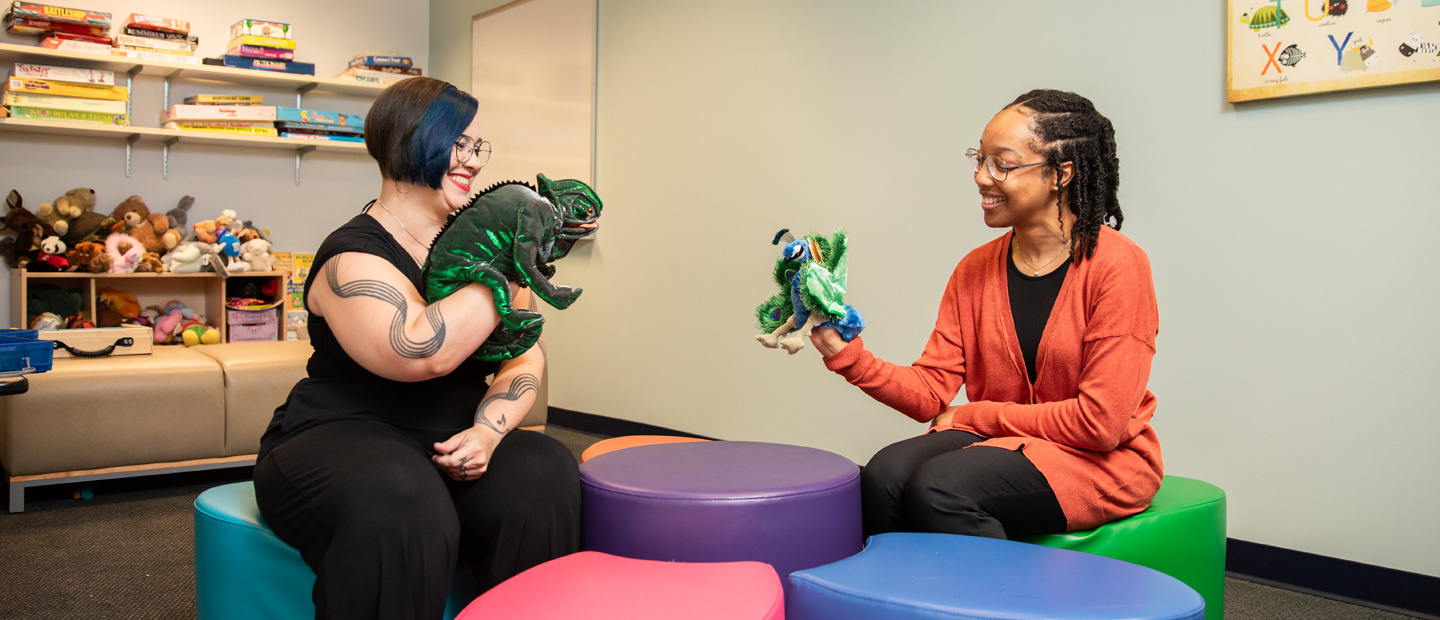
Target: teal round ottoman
x=243 y=571
x=1181 y=534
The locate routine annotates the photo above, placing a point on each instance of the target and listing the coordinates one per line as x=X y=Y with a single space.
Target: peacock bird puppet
x=811 y=275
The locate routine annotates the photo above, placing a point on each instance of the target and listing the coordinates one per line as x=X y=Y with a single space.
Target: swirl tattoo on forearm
x=375 y=289
x=518 y=387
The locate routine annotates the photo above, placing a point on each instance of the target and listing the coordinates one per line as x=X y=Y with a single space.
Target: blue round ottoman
x=243 y=571
x=914 y=576
x=723 y=501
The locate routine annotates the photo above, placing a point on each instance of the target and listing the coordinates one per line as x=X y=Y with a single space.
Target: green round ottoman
x=1181 y=534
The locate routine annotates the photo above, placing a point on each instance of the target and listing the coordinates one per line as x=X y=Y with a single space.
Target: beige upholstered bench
x=173 y=410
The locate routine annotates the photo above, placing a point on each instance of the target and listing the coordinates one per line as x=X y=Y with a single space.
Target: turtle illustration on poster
x=1266 y=17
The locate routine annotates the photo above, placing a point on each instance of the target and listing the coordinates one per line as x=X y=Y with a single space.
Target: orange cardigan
x=1085 y=423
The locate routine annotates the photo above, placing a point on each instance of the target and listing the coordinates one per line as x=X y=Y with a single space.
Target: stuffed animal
x=152 y=229
x=50 y=257
x=150 y=263
x=205 y=231
x=79 y=322
x=123 y=303
x=46 y=320
x=178 y=216
x=511 y=232
x=51 y=298
x=90 y=226
x=229 y=247
x=89 y=256
x=27 y=228
x=171 y=317
x=194 y=332
x=811 y=273
x=66 y=208
x=125 y=252
x=256 y=252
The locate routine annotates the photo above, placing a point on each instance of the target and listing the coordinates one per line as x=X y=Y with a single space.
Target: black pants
x=383 y=529
x=929 y=484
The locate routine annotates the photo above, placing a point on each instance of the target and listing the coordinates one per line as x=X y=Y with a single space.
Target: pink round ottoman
x=599 y=586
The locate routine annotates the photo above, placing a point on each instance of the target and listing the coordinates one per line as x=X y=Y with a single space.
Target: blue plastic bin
x=22 y=352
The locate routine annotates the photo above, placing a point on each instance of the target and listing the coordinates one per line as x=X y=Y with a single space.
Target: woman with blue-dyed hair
x=394 y=459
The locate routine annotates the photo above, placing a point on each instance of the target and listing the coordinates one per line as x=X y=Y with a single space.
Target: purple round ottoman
x=723 y=501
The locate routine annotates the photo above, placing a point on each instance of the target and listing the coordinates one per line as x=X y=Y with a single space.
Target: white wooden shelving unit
x=130 y=67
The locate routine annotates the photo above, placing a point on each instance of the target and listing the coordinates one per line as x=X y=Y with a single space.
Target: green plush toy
x=511 y=232
x=811 y=274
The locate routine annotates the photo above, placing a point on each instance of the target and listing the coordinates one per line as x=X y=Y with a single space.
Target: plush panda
x=51 y=256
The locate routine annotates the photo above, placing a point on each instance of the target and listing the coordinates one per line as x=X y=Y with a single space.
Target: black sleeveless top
x=339 y=388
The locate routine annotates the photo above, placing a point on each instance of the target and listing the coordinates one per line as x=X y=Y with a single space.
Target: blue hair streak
x=433 y=142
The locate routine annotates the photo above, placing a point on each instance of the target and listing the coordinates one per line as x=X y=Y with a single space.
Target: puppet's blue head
x=798 y=250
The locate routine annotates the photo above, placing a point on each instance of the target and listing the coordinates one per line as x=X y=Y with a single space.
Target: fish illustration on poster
x=1291 y=56
x=1274 y=53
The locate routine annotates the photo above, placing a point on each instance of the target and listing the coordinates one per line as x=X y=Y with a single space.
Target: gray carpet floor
x=128 y=553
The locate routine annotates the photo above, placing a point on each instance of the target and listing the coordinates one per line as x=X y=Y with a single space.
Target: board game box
x=64 y=74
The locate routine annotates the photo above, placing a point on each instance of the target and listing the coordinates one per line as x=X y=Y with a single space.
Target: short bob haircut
x=412 y=128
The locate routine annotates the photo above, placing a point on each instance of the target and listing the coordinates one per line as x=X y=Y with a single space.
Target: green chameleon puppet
x=511 y=232
x=811 y=274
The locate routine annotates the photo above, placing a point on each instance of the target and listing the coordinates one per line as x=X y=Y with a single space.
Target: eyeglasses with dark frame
x=464 y=153
x=998 y=169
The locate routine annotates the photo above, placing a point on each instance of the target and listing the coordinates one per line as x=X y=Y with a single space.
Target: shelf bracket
x=165 y=171
x=299 y=153
x=300 y=93
x=130 y=86
x=129 y=143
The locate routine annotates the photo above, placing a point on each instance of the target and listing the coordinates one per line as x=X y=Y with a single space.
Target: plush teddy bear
x=205 y=231
x=66 y=208
x=89 y=256
x=256 y=252
x=90 y=226
x=150 y=263
x=50 y=257
x=151 y=229
x=28 y=229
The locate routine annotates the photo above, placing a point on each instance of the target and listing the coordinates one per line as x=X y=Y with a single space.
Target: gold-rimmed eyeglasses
x=999 y=170
x=464 y=151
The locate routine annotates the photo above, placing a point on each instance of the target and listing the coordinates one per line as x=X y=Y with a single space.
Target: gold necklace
x=407 y=230
x=1015 y=244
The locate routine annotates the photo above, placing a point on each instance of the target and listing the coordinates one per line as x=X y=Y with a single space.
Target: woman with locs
x=1051 y=330
x=394 y=459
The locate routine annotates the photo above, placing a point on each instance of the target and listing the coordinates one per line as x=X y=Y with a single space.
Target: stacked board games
x=244 y=115
x=157 y=38
x=76 y=30
x=41 y=92
x=383 y=68
x=319 y=125
x=263 y=45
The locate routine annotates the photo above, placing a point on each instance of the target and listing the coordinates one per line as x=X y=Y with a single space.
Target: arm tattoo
x=518 y=387
x=399 y=342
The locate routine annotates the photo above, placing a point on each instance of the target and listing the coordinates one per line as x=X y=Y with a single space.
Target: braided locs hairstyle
x=1070 y=129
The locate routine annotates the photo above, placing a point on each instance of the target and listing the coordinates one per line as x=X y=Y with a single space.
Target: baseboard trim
x=1367 y=585
x=609 y=427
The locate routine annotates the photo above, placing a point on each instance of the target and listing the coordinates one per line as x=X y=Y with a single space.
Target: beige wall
x=257 y=183
x=1292 y=241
